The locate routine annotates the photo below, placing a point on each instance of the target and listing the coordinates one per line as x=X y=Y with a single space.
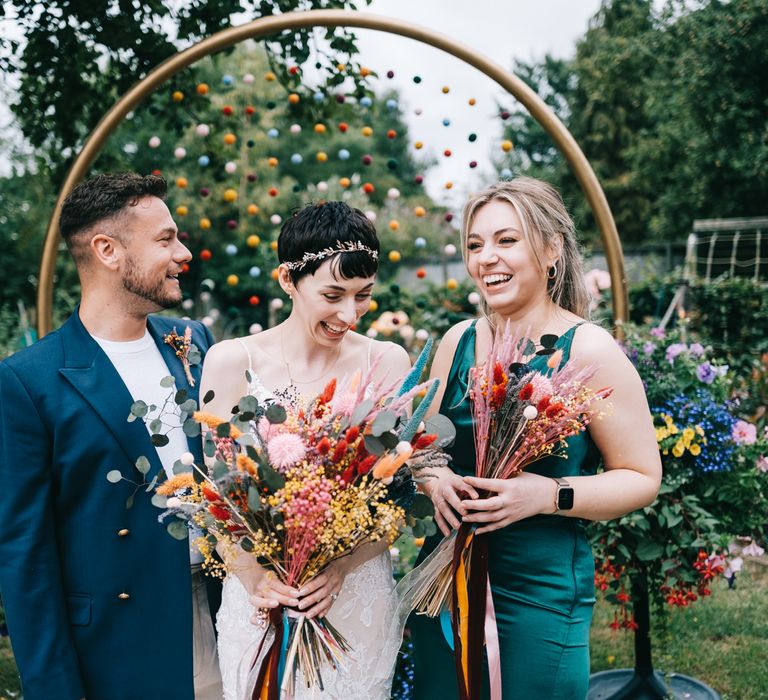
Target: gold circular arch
x=340 y=18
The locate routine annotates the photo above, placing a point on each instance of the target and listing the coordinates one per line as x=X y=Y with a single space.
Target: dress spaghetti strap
x=248 y=353
x=370 y=347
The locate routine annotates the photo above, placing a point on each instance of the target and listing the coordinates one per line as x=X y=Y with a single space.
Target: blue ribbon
x=283 y=649
x=445 y=624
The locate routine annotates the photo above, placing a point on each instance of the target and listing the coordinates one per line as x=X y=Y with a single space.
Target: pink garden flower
x=762 y=464
x=744 y=433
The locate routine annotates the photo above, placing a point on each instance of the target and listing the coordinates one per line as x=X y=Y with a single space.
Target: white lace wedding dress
x=362 y=613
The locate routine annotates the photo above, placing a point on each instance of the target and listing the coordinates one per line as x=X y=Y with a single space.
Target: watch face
x=565 y=498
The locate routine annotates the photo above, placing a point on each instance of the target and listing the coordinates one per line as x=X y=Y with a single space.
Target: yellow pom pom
x=252 y=209
x=394 y=256
x=366 y=131
x=293 y=98
x=274 y=274
x=177 y=96
x=181 y=182
x=364 y=72
x=448 y=185
x=472 y=101
x=272 y=162
x=229 y=139
x=319 y=128
x=232 y=280
x=446 y=89
x=205 y=223
x=418 y=145
x=202 y=89
x=181 y=210
x=345 y=182
x=273 y=245
x=321 y=156
x=270 y=77
x=506 y=146
x=253 y=240
x=230 y=194
x=452 y=283
x=373 y=306
x=394 y=225
x=419 y=211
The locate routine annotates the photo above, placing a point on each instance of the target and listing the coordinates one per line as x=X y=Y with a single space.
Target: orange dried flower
x=175 y=483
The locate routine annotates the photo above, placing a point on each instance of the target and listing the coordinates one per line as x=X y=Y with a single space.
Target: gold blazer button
x=123 y=532
x=123 y=596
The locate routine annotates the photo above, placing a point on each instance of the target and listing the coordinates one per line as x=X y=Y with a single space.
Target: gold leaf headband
x=345 y=247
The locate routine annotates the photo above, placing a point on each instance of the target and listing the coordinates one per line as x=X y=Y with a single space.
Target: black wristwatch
x=563 y=495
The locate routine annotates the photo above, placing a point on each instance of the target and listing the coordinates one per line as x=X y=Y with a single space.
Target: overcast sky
x=502 y=30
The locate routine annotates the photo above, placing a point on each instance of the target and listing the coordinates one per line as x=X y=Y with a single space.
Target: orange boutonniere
x=185 y=350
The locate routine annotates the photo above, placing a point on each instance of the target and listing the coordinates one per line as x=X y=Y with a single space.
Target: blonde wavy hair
x=546 y=226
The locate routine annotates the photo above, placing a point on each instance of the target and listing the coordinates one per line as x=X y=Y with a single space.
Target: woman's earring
x=552 y=271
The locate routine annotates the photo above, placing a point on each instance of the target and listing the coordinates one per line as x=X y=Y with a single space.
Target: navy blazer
x=97 y=596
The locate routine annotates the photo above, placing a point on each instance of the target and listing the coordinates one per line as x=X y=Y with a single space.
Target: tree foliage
x=114 y=43
x=670 y=108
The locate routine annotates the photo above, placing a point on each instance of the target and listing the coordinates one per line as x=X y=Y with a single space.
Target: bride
x=328 y=261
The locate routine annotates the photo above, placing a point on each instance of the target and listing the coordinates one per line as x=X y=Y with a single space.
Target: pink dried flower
x=285 y=450
x=542 y=386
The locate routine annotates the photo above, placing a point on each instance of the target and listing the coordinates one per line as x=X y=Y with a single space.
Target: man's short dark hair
x=321 y=225
x=102 y=197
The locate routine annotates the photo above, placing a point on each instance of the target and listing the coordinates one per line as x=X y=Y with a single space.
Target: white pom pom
x=404 y=448
x=173 y=502
x=187 y=459
x=530 y=412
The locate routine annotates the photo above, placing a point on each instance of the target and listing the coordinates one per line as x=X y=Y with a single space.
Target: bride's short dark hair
x=320 y=226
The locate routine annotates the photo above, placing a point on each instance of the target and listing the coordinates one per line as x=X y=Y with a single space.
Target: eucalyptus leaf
x=223 y=430
x=422 y=506
x=177 y=529
x=181 y=396
x=114 y=476
x=254 y=500
x=190 y=406
x=246 y=439
x=131 y=418
x=139 y=409
x=159 y=440
x=248 y=404
x=191 y=428
x=180 y=468
x=389 y=440
x=143 y=465
x=443 y=428
x=272 y=479
x=167 y=382
x=246 y=545
x=194 y=357
x=361 y=411
x=156 y=425
x=129 y=501
x=374 y=445
x=151 y=485
x=419 y=529
x=159 y=501
x=220 y=470
x=383 y=422
x=276 y=414
x=209 y=447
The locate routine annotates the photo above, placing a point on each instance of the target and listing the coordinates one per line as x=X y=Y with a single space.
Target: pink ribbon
x=492 y=646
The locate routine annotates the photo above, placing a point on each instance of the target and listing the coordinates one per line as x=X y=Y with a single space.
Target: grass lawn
x=722 y=641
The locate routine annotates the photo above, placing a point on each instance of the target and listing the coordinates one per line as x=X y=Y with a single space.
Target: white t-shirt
x=142 y=367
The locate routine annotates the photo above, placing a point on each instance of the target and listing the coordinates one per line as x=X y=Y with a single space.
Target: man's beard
x=142 y=287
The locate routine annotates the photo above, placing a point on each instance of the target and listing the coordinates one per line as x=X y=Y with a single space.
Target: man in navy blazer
x=98 y=596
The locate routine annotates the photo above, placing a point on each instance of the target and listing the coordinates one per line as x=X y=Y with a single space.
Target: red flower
x=349 y=474
x=352 y=434
x=365 y=466
x=553 y=410
x=542 y=405
x=499 y=393
x=498 y=374
x=424 y=441
x=219 y=512
x=328 y=392
x=210 y=494
x=526 y=392
x=340 y=451
x=324 y=446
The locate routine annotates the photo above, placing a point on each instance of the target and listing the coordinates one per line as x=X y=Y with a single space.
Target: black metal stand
x=643 y=683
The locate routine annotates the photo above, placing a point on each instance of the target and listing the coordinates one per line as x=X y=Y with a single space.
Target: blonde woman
x=519 y=247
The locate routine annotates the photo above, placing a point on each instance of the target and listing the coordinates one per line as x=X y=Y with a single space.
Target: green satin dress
x=541 y=572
